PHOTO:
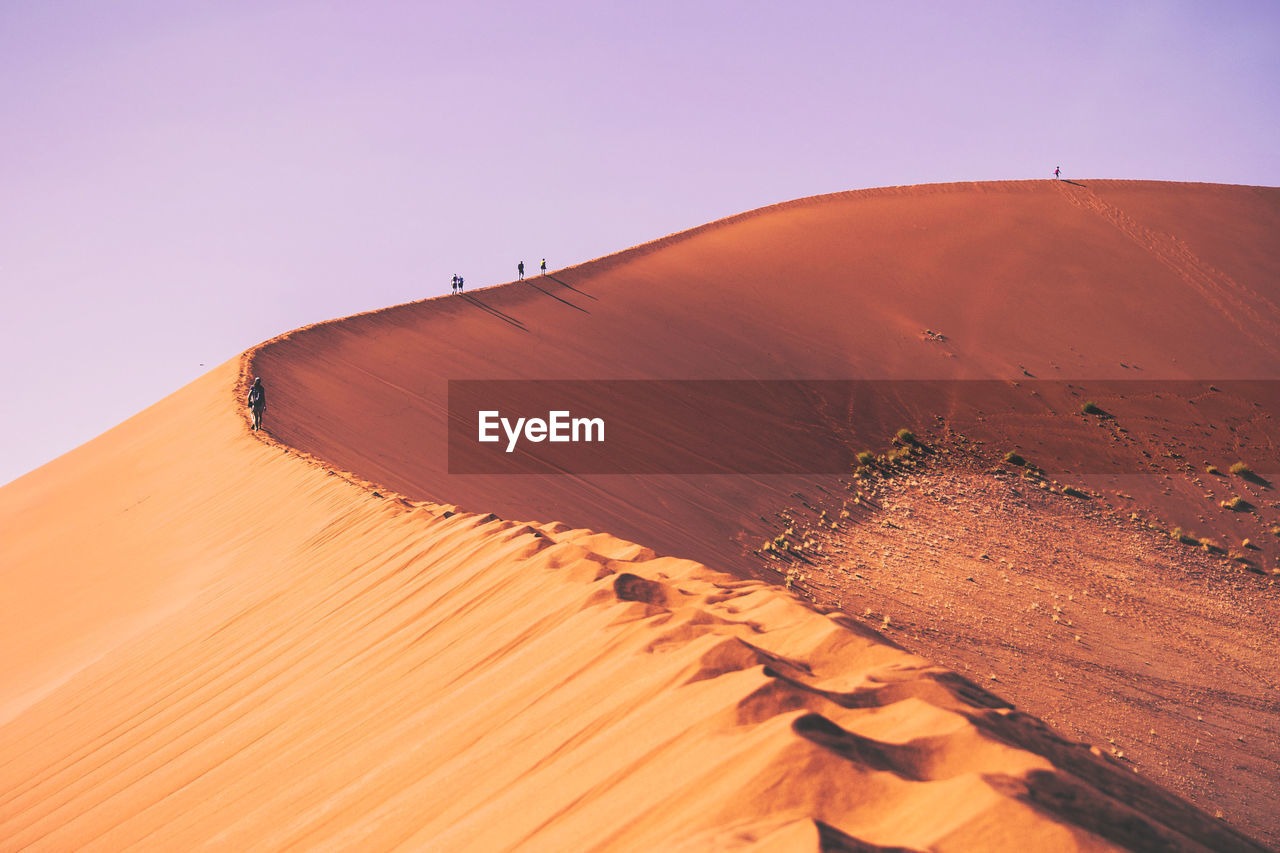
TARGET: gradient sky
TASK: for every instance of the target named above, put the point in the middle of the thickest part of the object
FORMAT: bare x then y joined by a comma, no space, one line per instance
179,181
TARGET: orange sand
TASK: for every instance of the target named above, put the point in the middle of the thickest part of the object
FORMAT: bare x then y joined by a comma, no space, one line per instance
214,641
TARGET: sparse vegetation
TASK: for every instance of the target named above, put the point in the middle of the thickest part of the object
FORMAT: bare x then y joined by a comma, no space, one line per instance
1091,408
1213,470
1236,504
906,437
793,577
1014,459
866,457
1179,535
1212,546
1075,493
1244,472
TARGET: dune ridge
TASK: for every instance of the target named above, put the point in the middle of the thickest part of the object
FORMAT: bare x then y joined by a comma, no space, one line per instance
1029,279
238,641
370,671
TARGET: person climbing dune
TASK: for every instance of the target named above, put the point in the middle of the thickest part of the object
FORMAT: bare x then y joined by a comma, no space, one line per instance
257,402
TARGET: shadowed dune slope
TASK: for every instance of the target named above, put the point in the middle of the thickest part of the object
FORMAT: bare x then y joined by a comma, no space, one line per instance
1118,280
215,643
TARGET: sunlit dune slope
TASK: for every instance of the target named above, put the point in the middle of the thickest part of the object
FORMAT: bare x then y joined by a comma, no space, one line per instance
212,642
1020,281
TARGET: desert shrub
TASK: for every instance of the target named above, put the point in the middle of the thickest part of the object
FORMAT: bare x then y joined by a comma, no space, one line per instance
1212,546
1213,470
1242,470
1091,408
905,436
866,457
1074,492
896,456
1014,459
1236,504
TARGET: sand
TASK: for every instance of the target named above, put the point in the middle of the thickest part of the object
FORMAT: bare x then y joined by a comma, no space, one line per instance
216,639
1035,280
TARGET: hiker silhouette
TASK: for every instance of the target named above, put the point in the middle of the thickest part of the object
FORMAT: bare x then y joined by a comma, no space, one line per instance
520,267
257,402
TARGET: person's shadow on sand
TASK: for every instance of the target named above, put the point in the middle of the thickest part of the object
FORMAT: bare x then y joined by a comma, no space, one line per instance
495,312
570,286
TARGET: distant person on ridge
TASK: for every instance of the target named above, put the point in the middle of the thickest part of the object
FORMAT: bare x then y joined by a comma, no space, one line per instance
257,402
520,267
454,284
1057,173
459,284
544,266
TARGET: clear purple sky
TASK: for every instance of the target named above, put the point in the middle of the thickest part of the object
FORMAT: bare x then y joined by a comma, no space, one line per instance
179,181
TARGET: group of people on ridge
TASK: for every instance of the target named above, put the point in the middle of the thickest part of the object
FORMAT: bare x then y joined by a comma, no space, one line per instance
257,400
520,268
457,279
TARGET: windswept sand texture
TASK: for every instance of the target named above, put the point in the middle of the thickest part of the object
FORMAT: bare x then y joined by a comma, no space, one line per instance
268,656
216,641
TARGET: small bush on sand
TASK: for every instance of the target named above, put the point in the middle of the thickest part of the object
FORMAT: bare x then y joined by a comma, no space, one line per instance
897,456
1242,470
1179,535
1014,459
906,437
1091,408
1212,546
1074,492
866,457
1213,470
1236,504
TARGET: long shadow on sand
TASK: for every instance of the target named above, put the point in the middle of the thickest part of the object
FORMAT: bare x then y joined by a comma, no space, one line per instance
507,318
571,287
557,298
1073,183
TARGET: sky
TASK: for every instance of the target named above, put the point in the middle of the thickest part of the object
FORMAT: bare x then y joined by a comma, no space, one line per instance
180,181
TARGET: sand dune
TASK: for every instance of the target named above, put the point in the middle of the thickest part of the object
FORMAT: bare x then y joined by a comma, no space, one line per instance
216,641
326,666
1023,281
